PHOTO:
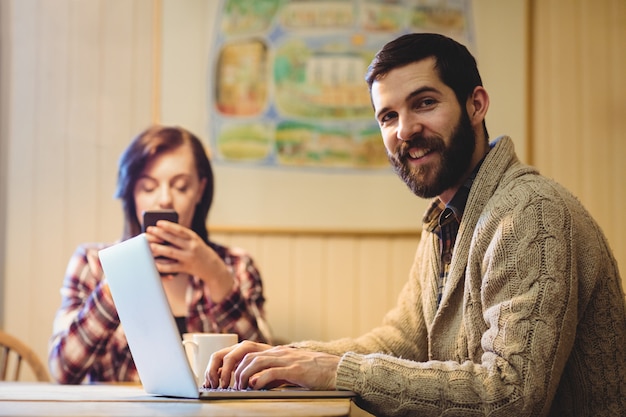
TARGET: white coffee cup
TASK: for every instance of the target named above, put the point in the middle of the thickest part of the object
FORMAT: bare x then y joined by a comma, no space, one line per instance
200,346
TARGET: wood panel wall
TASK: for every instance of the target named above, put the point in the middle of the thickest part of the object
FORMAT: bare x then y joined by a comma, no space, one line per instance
327,285
578,105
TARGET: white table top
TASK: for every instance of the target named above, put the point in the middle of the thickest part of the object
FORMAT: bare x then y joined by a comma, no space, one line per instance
44,399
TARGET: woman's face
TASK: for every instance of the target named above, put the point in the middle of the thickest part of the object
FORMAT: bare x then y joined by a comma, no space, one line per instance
170,181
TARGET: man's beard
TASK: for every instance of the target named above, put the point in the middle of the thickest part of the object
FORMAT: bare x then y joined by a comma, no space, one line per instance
455,160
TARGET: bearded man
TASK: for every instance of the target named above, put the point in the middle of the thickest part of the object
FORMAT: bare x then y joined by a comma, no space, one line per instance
514,305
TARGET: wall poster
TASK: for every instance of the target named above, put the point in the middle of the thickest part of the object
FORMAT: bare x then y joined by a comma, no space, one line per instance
288,85
287,89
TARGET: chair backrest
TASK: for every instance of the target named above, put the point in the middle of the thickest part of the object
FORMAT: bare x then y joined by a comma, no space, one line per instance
12,352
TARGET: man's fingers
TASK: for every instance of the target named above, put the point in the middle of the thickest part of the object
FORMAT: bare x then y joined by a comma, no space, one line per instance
224,362
261,367
213,372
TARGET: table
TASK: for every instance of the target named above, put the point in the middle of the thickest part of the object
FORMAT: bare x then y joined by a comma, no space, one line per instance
47,399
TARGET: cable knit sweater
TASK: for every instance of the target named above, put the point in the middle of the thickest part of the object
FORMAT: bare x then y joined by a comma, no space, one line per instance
532,321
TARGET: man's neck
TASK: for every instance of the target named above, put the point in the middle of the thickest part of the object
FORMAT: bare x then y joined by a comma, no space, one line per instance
477,158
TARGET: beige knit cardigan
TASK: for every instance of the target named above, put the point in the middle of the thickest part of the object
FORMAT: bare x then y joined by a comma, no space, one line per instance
532,320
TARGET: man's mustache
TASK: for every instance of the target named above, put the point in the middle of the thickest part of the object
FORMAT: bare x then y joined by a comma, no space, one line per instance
418,141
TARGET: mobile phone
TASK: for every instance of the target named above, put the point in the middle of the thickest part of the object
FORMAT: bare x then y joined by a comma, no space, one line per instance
150,217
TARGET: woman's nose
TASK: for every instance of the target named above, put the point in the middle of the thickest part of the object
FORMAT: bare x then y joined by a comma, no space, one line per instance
165,197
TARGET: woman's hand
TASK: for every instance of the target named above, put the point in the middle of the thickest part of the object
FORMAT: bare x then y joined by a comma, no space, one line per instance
257,365
187,253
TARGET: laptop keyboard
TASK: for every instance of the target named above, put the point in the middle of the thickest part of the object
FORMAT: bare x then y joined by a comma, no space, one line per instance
208,389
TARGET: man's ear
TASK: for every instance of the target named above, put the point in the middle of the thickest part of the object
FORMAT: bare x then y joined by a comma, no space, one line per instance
477,106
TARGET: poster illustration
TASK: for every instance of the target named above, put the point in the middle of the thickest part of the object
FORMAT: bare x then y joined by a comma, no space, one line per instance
287,82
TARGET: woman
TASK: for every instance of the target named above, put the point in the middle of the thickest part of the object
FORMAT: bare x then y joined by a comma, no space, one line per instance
210,288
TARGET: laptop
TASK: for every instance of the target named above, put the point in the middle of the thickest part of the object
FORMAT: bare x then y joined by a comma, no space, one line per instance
152,334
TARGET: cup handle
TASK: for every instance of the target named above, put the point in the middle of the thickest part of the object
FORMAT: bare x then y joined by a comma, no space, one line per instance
195,353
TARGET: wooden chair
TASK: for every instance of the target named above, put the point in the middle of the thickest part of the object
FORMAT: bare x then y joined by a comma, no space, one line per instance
12,352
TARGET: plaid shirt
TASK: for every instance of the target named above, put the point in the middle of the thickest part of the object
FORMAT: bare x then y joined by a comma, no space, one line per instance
88,342
444,221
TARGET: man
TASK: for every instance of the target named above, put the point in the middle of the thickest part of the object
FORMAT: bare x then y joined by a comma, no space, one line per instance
514,305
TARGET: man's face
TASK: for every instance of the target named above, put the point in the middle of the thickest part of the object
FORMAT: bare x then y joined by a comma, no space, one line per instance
428,135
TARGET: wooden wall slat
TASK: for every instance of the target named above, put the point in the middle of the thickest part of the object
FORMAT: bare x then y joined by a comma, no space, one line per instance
82,96
50,158
595,90
400,259
617,110
340,315
578,105
372,282
278,269
21,181
307,297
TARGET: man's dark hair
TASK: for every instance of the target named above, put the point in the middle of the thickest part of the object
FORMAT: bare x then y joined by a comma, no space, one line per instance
454,64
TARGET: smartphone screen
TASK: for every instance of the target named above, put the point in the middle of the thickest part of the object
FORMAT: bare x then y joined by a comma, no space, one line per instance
150,217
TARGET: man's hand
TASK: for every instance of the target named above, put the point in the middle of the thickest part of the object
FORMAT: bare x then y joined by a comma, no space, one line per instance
257,366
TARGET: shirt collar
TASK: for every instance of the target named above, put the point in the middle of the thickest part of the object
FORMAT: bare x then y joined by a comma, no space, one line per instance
457,204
